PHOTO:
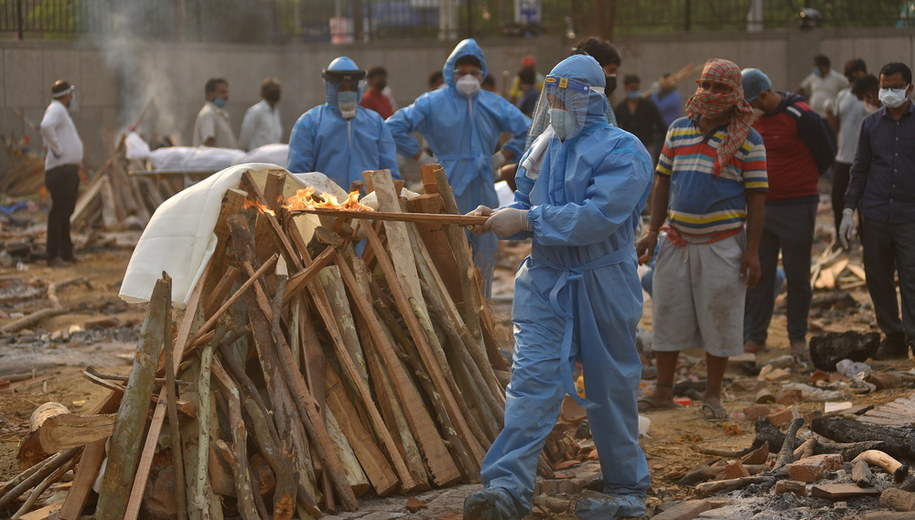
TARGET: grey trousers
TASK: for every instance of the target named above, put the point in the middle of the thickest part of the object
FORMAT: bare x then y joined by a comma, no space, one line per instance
888,249
788,228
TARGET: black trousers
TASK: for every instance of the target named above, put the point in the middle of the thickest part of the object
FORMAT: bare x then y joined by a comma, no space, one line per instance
63,185
890,249
788,228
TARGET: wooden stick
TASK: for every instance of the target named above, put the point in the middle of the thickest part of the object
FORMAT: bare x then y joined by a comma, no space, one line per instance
40,488
171,396
124,452
47,467
428,218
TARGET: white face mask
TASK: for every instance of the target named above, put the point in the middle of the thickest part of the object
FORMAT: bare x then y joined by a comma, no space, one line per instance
893,97
563,123
468,85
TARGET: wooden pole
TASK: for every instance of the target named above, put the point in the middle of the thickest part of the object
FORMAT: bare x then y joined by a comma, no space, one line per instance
124,452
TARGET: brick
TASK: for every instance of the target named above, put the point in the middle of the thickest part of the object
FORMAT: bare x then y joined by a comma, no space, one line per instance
755,411
811,469
735,469
791,486
686,510
781,416
789,396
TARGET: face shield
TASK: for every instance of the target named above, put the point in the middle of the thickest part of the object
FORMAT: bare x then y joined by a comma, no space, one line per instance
563,106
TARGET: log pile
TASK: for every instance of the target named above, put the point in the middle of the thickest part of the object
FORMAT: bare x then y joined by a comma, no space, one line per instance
300,376
113,200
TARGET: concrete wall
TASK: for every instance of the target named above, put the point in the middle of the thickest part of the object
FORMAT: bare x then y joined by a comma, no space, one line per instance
115,79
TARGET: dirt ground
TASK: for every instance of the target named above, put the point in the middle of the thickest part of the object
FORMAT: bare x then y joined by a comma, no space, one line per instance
58,349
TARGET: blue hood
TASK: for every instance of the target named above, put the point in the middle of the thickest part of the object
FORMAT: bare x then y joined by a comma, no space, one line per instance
585,68
466,47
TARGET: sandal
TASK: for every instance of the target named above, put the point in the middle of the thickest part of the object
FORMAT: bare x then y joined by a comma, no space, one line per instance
713,413
649,404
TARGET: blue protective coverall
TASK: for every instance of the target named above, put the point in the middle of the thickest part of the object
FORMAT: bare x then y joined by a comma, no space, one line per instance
577,297
463,134
322,141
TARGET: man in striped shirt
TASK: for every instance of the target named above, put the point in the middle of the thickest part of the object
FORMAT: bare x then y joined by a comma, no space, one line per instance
710,182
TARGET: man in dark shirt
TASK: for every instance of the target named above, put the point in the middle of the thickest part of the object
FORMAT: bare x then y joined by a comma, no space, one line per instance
798,151
639,116
882,189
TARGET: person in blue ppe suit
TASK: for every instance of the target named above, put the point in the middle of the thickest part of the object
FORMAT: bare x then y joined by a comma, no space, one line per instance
462,124
339,138
577,298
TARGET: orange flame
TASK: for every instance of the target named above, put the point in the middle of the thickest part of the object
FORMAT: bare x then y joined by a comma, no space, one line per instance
259,207
305,199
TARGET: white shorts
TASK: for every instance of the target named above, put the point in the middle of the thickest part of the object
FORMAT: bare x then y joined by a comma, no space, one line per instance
698,297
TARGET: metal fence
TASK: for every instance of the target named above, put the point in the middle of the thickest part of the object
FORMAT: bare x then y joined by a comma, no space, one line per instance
274,21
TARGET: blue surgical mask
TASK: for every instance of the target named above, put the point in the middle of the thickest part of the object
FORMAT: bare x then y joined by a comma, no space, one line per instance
220,102
346,102
634,94
563,122
816,71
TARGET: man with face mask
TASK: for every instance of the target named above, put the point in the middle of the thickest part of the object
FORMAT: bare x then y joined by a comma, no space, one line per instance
609,60
262,124
709,183
799,150
212,127
339,138
882,190
461,124
374,97
638,114
577,297
65,153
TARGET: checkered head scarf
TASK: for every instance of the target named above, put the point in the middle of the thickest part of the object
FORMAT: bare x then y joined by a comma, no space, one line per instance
711,104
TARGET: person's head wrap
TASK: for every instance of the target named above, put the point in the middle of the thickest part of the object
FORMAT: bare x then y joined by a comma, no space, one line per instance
712,104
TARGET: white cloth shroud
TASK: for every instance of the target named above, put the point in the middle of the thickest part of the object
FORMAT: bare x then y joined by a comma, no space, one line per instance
179,238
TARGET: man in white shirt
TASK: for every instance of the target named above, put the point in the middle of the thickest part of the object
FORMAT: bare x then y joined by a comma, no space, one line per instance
212,127
821,85
262,124
65,153
845,115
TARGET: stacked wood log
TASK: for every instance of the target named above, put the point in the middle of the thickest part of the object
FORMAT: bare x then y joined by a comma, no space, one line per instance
301,375
113,199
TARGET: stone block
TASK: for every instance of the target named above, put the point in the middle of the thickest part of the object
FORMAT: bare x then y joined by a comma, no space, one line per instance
756,411
686,510
781,416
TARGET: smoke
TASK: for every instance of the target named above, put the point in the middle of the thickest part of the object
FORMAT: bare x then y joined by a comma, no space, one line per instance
147,94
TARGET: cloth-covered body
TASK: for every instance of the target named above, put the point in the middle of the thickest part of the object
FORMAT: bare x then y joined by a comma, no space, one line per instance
214,122
322,140
60,136
463,133
577,297
261,126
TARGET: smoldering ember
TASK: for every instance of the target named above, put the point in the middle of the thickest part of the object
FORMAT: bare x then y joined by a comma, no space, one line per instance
250,268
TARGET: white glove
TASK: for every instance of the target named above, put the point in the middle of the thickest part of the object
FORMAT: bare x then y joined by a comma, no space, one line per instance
848,227
507,222
497,159
425,159
481,211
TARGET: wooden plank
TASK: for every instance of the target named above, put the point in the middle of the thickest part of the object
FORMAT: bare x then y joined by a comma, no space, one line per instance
336,295
86,472
395,216
377,469
42,514
425,349
433,235
840,491
71,430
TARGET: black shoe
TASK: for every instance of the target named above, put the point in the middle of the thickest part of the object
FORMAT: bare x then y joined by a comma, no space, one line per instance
892,347
490,504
